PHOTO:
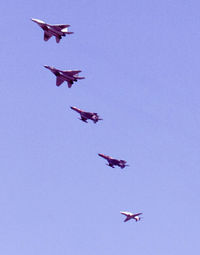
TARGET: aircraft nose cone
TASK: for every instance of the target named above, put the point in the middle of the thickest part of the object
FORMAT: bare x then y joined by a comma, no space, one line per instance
34,20
46,66
38,21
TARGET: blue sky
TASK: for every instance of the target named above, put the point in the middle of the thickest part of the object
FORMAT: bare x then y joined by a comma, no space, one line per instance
141,63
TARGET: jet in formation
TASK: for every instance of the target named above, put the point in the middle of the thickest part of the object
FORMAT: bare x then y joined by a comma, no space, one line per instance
53,30
70,76
130,216
113,162
87,115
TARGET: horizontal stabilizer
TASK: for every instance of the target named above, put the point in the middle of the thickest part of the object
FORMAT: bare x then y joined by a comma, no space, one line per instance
58,39
69,84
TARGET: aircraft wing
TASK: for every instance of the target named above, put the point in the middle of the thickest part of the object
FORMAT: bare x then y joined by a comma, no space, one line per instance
75,72
47,36
59,26
126,213
137,214
59,81
127,218
71,73
83,119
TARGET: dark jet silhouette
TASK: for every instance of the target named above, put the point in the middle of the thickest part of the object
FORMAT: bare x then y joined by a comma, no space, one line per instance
53,30
113,162
70,76
130,216
87,115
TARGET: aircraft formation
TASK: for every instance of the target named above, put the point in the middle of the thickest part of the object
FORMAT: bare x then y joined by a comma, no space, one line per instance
71,76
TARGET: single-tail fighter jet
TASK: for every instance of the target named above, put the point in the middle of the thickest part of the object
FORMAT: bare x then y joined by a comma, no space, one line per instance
69,76
87,115
130,216
53,30
113,162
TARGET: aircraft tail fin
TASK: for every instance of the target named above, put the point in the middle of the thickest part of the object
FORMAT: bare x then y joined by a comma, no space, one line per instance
137,218
65,31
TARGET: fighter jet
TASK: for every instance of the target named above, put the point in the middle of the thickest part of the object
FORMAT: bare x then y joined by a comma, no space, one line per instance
87,115
113,162
69,76
130,216
53,30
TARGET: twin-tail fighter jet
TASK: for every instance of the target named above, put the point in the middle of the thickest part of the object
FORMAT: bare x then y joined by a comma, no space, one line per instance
113,162
69,76
130,216
53,30
87,115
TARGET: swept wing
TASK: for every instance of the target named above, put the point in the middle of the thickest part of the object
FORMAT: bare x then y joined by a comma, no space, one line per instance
59,81
70,72
47,36
59,26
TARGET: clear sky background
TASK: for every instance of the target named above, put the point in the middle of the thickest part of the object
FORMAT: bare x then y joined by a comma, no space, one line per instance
141,61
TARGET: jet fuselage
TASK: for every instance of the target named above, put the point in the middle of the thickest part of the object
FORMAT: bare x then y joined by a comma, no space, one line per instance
86,115
66,77
69,75
130,216
58,30
53,31
113,162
